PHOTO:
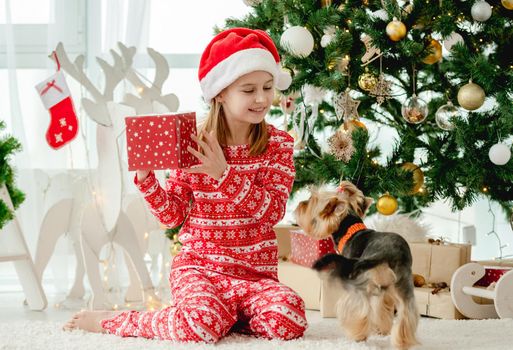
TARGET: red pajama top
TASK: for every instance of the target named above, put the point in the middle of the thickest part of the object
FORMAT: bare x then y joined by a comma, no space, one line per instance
229,222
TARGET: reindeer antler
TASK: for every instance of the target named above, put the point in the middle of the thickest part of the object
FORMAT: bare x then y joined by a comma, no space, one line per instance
96,110
148,94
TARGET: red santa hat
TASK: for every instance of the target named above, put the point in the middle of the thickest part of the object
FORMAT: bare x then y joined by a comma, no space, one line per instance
234,53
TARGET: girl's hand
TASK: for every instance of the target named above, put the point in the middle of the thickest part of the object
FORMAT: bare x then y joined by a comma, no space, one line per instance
213,162
142,175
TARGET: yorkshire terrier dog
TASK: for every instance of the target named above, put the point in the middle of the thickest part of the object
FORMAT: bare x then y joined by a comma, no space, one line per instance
373,268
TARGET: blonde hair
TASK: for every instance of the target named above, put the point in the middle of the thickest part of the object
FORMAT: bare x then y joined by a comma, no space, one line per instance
216,120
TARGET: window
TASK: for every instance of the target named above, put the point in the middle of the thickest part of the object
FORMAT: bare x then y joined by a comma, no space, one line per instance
31,29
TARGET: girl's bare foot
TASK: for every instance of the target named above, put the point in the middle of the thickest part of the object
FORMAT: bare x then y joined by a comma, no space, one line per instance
89,321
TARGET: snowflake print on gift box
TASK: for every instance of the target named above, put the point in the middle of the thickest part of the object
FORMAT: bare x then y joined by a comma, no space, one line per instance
158,142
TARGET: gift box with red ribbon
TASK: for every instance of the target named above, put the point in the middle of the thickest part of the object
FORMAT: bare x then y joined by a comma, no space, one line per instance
306,250
160,141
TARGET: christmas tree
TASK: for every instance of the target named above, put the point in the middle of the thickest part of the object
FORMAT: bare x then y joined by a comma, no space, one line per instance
8,146
383,61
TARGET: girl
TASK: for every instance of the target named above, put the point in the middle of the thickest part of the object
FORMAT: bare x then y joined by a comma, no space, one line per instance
225,277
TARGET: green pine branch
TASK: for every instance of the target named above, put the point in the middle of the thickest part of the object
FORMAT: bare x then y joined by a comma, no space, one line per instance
8,146
455,163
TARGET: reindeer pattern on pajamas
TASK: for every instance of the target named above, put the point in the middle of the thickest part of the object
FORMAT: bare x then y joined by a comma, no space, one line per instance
225,276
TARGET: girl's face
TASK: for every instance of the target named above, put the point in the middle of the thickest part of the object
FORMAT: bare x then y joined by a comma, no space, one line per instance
248,99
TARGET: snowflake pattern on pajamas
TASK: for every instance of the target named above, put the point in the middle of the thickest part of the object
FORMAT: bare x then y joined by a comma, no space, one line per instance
209,305
225,276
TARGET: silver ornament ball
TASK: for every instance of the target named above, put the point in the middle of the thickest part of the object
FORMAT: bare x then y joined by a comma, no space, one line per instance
445,116
414,110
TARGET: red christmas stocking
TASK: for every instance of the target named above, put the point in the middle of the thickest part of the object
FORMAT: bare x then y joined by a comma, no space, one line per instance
54,93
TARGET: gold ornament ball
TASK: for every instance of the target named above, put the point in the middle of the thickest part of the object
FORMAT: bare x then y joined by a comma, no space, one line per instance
396,30
352,124
507,4
418,175
471,96
435,54
277,98
367,81
175,249
387,204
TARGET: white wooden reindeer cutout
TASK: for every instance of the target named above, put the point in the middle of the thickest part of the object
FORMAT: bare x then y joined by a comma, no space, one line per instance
102,219
150,101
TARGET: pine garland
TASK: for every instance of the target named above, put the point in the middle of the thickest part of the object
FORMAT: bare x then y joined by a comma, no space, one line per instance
8,146
455,163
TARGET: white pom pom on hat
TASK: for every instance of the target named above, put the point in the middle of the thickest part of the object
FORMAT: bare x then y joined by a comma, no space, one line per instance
234,53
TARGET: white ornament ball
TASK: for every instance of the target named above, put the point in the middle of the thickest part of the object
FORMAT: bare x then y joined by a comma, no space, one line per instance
481,11
499,154
298,41
453,39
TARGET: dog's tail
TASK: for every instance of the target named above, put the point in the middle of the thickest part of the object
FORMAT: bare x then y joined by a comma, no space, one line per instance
349,269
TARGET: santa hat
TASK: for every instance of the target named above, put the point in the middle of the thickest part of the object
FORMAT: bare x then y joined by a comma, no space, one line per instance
234,53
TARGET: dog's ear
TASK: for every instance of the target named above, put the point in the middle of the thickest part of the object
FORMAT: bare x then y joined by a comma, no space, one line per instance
334,206
341,208
329,208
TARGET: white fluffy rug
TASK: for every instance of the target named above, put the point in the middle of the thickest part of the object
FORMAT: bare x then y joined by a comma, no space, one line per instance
323,334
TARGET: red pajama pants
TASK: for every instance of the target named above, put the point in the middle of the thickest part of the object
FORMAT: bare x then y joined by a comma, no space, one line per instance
208,305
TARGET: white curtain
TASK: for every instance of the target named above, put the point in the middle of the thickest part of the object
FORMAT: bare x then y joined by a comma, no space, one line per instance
28,120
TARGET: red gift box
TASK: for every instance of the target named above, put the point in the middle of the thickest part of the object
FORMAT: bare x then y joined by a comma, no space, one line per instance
492,274
305,250
160,141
